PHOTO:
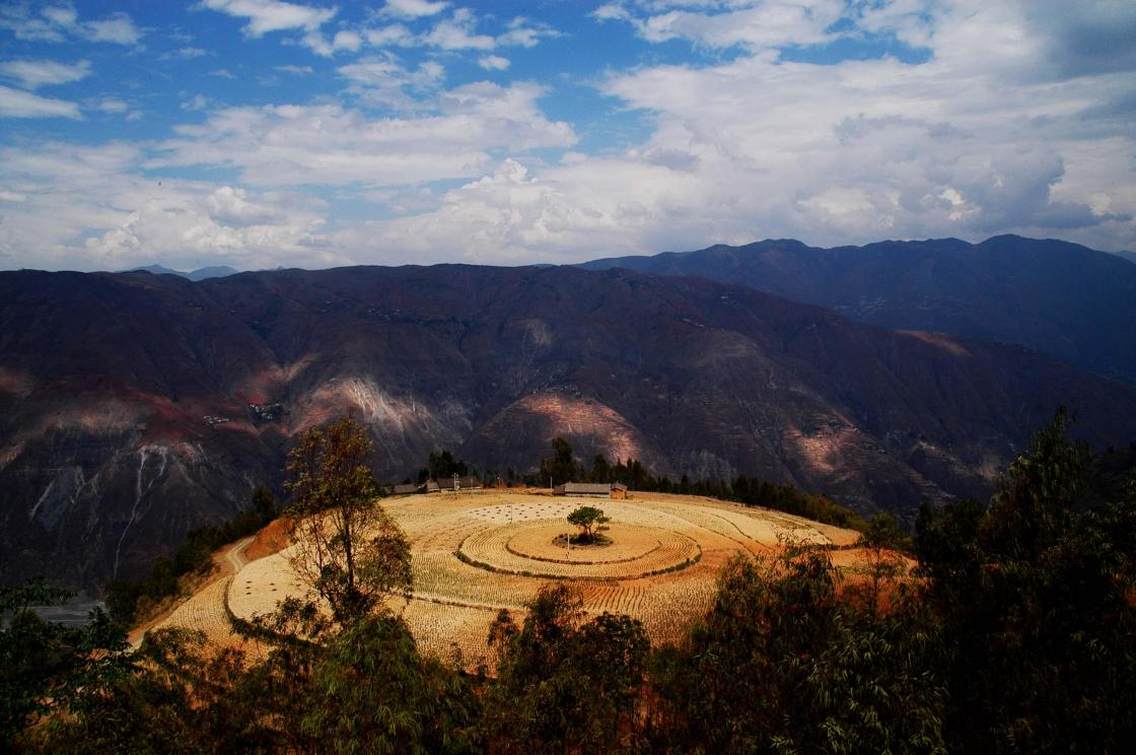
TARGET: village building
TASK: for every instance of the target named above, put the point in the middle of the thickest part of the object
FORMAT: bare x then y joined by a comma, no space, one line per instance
405,489
447,484
589,489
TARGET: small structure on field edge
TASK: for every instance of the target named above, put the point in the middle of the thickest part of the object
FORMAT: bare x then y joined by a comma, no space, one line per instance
454,484
405,488
592,489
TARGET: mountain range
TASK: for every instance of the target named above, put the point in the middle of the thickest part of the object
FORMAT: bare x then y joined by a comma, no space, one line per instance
1063,299
135,407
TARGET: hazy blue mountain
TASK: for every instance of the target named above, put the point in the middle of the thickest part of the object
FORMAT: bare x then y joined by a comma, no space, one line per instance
216,271
1059,298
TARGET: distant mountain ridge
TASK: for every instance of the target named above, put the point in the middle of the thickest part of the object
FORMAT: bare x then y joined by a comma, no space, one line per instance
125,416
1062,299
203,273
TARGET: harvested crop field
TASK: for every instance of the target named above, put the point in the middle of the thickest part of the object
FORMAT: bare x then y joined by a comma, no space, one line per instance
476,553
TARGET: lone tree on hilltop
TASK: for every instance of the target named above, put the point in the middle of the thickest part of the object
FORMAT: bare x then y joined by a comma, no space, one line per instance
349,550
587,518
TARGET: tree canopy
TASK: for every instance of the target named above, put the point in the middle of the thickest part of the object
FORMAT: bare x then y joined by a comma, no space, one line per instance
349,550
588,518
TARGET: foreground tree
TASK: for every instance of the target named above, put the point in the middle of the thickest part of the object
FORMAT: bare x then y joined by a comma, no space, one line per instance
564,685
1035,596
783,664
349,550
48,669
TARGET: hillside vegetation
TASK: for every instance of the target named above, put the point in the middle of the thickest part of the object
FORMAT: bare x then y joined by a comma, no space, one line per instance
1017,636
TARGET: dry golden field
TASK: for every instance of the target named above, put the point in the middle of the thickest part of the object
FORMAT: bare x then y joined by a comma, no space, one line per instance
478,552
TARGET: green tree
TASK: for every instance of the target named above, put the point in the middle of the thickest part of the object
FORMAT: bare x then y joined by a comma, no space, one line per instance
587,518
883,540
1035,599
45,667
601,470
783,664
564,685
350,552
442,464
561,467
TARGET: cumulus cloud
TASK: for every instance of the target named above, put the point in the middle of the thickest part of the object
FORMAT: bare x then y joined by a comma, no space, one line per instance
36,73
265,16
413,8
15,103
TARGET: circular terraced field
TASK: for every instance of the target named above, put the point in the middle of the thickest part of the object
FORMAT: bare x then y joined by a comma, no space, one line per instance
530,550
476,553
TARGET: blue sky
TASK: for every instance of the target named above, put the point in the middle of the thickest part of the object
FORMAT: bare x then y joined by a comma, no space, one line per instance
258,133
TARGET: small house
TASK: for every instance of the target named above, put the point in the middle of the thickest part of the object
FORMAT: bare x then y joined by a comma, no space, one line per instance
589,489
458,484
618,490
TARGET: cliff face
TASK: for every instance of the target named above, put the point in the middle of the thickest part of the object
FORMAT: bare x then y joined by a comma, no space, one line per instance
125,415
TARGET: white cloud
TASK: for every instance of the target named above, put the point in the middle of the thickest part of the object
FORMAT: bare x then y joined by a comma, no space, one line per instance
757,24
382,81
413,8
991,135
524,32
18,104
185,53
296,70
393,35
331,145
57,22
117,28
196,102
1018,121
458,33
36,73
110,105
87,208
343,41
266,16
493,63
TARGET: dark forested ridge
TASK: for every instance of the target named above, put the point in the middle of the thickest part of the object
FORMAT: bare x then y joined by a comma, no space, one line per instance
135,408
1058,298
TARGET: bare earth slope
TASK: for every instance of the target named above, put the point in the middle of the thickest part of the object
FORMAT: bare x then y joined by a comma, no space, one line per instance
106,381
